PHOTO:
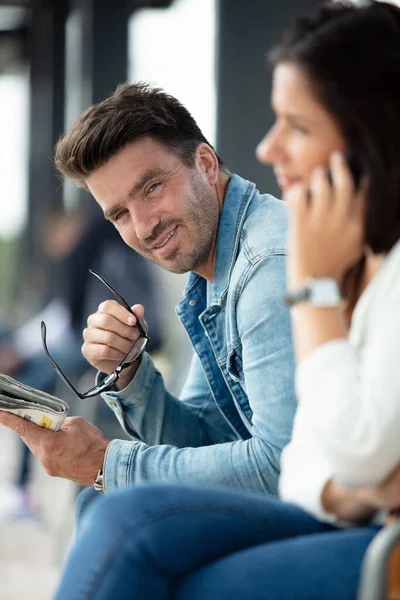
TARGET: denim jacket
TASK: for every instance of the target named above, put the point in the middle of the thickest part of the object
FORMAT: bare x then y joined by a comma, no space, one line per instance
236,409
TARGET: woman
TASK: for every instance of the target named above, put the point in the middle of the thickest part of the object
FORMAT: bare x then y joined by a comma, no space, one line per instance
336,74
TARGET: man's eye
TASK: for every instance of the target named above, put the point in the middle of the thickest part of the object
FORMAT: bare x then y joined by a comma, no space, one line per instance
153,187
119,215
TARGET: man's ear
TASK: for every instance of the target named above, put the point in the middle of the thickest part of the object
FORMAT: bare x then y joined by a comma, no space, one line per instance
207,162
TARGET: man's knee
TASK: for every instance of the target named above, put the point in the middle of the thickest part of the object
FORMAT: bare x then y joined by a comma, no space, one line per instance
135,503
84,501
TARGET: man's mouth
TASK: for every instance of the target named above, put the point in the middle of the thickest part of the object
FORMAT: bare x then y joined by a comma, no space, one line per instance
163,240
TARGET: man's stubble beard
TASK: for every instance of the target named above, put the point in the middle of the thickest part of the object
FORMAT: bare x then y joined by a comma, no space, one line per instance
201,223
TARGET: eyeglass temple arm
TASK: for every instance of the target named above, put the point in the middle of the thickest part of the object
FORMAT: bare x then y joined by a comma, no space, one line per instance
121,300
55,365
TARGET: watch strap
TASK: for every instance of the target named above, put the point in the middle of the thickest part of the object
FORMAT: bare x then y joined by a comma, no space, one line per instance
98,483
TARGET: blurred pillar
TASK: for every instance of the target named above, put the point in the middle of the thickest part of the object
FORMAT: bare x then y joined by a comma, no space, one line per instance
97,58
98,46
46,56
246,30
96,62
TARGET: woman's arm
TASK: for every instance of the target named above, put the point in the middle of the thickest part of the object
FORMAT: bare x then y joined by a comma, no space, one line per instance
313,326
360,505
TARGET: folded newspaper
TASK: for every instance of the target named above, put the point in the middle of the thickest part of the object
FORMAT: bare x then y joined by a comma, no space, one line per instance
34,405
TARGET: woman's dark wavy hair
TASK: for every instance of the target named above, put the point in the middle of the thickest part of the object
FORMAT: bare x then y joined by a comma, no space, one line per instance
351,56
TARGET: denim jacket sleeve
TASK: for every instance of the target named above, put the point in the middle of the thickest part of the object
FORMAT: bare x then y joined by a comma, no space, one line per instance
187,452
148,412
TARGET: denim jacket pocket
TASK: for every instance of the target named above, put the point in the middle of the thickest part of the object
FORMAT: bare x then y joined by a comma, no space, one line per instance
234,366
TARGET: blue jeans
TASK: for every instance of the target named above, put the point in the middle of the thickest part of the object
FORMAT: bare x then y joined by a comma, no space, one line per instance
156,542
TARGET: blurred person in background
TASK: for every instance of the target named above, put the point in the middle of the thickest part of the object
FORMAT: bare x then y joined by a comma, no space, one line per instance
335,90
74,243
171,198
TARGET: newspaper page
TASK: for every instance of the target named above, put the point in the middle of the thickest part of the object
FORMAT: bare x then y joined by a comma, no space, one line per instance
34,405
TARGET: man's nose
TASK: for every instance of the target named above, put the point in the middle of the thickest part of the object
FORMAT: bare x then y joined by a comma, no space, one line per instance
144,223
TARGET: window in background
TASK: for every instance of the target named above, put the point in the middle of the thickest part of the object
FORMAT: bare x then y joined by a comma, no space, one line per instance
174,49
13,153
14,118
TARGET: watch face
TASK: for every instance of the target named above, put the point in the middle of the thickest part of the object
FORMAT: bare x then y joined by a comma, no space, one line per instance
324,292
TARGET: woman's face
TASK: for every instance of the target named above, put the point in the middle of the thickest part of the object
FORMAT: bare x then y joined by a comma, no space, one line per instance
304,134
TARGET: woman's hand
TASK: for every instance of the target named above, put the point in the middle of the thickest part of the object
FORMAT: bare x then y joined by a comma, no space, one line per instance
326,233
387,494
360,505
354,506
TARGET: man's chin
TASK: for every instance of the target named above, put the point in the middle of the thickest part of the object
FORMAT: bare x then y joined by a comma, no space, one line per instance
177,264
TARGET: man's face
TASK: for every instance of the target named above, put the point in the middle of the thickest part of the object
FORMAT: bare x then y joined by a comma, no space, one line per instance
163,209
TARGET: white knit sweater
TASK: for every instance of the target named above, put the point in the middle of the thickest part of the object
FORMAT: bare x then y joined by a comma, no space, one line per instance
347,425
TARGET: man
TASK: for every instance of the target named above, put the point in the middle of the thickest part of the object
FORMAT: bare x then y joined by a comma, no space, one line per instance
155,176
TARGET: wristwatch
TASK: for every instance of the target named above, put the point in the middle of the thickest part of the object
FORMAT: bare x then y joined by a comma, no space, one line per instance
322,291
98,483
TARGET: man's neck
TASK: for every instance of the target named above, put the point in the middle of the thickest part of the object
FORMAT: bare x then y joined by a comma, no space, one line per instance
207,269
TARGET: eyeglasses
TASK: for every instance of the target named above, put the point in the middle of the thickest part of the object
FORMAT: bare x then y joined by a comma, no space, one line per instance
130,357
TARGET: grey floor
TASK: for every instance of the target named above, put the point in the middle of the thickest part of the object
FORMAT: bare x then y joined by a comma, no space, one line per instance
32,550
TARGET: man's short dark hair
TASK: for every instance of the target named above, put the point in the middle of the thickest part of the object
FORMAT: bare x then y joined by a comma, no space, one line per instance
132,112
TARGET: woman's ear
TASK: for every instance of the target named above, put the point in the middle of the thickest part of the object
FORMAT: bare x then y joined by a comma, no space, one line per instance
207,162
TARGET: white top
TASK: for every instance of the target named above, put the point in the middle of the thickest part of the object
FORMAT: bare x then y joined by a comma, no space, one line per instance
347,424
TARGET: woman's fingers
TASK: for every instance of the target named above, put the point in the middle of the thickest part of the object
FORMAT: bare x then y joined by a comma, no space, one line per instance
320,194
344,192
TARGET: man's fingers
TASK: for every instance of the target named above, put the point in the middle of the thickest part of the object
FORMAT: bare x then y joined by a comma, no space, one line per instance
111,307
138,309
97,353
26,430
108,323
110,341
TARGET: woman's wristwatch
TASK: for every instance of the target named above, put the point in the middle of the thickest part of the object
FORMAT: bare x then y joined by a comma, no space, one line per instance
321,291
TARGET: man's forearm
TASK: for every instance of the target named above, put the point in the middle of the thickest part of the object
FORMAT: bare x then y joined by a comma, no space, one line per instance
147,411
251,465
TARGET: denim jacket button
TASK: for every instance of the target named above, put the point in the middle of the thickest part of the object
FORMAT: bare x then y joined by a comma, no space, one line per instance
192,302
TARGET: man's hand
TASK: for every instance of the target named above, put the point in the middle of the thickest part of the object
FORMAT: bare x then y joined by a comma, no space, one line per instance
110,334
75,452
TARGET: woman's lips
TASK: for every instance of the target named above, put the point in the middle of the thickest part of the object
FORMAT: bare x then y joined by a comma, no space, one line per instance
285,182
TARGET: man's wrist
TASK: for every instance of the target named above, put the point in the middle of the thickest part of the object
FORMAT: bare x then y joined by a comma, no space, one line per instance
127,375
98,482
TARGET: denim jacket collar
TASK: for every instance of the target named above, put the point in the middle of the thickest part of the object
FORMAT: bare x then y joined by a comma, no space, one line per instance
236,201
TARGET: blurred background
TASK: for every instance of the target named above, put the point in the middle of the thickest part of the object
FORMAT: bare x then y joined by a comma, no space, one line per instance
56,58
